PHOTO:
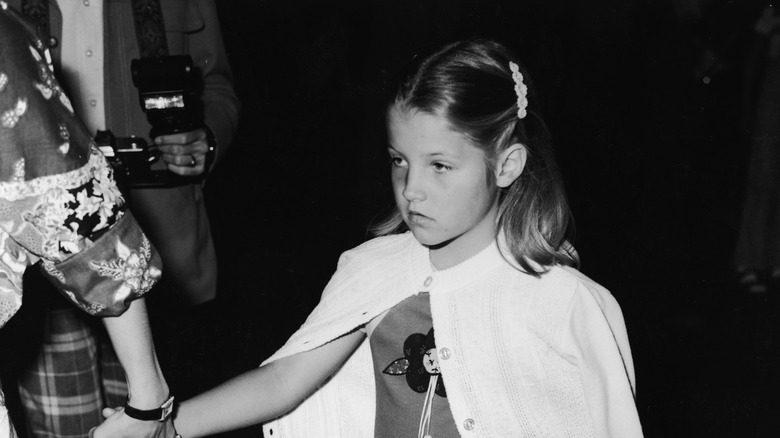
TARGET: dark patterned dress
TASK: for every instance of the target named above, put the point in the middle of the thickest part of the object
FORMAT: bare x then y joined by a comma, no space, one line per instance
59,203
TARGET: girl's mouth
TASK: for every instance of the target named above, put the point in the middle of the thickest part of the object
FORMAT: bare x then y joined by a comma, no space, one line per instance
418,219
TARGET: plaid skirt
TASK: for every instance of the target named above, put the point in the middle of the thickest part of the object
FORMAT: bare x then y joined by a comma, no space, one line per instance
73,377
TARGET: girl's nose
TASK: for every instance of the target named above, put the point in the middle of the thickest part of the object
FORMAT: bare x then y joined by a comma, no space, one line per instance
413,189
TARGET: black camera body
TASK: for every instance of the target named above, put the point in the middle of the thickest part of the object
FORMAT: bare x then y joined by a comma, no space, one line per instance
134,164
168,91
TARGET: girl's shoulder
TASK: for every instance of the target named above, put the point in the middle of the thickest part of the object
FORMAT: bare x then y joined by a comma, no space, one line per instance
380,249
563,302
565,285
573,278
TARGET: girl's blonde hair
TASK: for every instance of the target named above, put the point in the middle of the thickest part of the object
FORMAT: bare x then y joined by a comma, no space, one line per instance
470,84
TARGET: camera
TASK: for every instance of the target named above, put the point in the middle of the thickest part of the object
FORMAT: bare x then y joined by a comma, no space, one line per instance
134,164
168,91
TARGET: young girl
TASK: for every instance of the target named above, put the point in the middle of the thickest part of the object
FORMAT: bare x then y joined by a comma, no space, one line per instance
467,317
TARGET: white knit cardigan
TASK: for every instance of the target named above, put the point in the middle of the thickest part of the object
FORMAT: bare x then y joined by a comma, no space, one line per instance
521,356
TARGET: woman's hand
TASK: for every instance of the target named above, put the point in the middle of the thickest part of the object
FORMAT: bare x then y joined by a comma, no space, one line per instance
119,425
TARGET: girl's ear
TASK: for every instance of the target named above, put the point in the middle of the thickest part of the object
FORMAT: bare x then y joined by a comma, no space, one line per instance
511,162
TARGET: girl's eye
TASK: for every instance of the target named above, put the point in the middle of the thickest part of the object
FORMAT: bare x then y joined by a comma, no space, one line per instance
397,161
441,167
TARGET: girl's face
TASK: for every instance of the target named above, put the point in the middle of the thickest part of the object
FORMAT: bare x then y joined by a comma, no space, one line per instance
441,187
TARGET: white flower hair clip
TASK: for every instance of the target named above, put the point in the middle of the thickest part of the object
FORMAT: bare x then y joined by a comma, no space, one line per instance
520,89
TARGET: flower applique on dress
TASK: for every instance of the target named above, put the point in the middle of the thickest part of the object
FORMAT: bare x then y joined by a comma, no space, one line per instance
48,85
420,365
65,136
131,267
10,117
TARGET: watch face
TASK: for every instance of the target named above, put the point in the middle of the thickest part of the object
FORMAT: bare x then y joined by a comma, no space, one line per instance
167,408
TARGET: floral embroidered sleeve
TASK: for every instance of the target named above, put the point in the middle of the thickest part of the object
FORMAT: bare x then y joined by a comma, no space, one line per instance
58,201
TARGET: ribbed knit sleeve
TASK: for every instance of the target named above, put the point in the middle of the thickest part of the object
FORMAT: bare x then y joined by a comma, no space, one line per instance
597,339
369,280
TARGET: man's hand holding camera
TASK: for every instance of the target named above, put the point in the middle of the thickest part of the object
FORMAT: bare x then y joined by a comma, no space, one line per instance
185,153
169,93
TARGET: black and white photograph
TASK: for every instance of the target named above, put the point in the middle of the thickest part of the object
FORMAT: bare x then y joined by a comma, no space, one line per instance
434,219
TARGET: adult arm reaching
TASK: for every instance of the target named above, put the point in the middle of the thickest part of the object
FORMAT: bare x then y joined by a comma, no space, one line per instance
60,206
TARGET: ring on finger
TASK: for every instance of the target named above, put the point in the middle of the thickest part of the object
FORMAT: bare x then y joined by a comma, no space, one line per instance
192,161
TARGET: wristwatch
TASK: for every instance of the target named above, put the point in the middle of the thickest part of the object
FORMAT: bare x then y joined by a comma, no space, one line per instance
160,414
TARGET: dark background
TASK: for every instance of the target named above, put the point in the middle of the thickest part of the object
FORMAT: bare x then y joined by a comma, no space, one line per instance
653,157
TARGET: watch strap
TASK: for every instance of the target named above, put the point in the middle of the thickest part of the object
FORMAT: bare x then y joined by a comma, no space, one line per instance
158,414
